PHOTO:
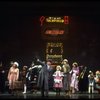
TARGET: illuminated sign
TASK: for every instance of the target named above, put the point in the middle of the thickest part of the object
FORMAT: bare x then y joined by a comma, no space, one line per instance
64,20
54,27
54,48
54,32
55,19
54,51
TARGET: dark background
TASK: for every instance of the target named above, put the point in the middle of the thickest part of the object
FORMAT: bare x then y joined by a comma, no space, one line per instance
20,34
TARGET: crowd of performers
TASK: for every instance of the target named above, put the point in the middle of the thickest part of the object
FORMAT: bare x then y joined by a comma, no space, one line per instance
63,77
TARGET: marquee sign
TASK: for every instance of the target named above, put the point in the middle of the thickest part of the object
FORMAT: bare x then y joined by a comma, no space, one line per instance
54,51
64,19
54,27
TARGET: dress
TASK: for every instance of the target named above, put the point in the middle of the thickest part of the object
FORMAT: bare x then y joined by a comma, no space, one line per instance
13,76
74,78
58,77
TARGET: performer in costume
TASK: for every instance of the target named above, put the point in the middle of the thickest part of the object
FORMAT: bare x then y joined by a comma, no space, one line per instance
43,78
23,76
74,77
13,76
91,82
58,80
67,76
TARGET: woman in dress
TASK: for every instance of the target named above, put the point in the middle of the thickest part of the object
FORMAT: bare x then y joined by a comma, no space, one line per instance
74,77
13,76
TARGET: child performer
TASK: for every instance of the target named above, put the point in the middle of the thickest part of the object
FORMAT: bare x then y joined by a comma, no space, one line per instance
97,81
58,77
91,82
24,72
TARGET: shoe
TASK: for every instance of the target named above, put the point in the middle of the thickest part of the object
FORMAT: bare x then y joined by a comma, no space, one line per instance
23,92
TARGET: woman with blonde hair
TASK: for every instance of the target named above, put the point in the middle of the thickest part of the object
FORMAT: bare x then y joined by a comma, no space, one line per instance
13,76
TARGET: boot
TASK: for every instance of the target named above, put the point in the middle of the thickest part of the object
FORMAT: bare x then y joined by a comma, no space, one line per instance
89,89
24,89
92,89
73,90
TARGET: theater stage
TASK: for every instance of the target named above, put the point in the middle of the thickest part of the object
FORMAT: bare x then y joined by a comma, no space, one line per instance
52,95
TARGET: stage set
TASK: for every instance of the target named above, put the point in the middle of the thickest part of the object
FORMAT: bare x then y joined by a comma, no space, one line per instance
55,31
27,38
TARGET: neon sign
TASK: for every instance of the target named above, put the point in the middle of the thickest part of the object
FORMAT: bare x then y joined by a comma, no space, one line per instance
54,32
55,19
42,18
64,19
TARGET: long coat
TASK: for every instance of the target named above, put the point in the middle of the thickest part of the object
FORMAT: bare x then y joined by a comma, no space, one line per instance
44,75
67,77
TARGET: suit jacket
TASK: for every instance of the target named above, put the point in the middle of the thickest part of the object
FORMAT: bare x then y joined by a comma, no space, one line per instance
44,74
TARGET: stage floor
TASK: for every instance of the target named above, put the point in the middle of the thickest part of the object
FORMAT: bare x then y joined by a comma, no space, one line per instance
52,95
